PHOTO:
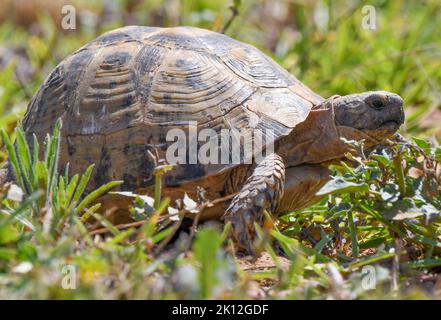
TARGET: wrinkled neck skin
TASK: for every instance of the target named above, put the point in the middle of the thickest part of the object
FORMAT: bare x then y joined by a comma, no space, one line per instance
317,139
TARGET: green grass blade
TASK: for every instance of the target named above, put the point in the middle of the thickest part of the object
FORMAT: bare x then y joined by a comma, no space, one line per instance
62,191
354,238
71,188
53,155
27,203
89,212
35,159
13,157
107,224
25,161
83,231
95,195
82,185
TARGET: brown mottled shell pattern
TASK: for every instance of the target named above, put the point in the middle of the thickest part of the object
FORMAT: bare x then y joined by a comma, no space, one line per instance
120,94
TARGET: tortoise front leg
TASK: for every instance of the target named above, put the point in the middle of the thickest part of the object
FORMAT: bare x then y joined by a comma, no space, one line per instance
262,191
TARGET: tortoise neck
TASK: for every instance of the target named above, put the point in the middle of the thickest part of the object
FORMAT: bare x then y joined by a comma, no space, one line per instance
315,140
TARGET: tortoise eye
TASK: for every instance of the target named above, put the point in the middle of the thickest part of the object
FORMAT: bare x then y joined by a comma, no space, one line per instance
377,104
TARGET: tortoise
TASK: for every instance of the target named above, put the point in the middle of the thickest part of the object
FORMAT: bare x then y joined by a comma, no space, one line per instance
121,95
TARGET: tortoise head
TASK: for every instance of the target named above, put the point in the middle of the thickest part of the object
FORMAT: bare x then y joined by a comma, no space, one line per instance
375,115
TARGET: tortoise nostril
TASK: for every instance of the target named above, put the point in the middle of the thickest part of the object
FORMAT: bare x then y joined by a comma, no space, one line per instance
395,99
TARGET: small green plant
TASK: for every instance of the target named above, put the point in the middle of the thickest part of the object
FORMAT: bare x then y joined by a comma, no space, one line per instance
42,227
61,197
396,189
384,208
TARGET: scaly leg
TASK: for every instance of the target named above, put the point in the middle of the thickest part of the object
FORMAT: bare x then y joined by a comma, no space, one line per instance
262,191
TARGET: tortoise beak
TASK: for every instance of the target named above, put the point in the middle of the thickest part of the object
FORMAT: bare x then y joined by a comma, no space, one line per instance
393,113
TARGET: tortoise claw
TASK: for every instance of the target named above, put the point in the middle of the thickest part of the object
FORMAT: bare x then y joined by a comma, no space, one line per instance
242,230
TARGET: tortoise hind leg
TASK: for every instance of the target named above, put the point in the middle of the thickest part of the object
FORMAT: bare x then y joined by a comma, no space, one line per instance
262,191
301,185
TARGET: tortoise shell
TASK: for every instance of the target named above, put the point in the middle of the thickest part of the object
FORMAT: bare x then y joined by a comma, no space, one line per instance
120,94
